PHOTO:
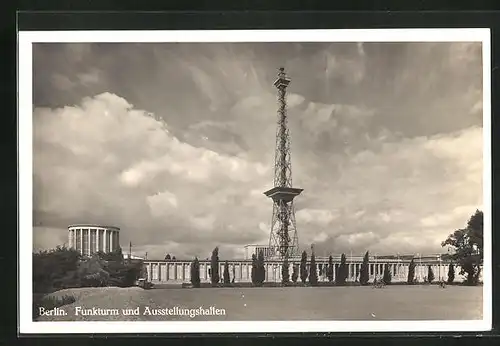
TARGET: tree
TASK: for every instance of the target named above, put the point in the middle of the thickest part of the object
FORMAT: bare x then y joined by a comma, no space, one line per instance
254,270
329,271
285,275
303,267
364,275
430,275
167,257
195,273
115,256
313,272
468,244
173,258
227,279
122,273
295,273
215,278
92,272
387,278
64,268
342,274
55,269
411,272
451,273
261,270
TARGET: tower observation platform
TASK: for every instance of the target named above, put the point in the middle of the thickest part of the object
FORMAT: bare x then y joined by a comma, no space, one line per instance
283,239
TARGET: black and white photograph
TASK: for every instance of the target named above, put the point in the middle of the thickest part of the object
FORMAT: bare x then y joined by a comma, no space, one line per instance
255,181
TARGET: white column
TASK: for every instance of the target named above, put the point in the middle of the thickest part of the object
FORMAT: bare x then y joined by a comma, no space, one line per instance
81,241
88,241
111,241
97,239
104,241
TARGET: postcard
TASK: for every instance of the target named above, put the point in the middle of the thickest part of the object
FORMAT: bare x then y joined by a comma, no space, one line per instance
254,181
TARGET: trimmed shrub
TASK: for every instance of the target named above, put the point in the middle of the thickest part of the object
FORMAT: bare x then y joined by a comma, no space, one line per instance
330,269
313,272
227,279
295,273
451,273
195,273
364,275
387,278
430,275
285,275
341,277
261,270
254,270
214,265
411,273
303,267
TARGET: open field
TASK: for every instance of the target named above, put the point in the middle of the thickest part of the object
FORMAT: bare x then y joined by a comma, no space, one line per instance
292,303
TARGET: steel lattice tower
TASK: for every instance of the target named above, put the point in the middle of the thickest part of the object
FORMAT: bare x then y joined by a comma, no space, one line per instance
283,241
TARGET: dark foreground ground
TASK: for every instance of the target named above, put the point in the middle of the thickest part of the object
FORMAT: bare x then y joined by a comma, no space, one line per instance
293,303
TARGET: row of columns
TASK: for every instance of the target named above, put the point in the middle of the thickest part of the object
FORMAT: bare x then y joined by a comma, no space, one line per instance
241,271
108,235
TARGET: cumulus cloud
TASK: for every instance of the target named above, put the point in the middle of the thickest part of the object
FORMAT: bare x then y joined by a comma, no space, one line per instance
179,150
123,167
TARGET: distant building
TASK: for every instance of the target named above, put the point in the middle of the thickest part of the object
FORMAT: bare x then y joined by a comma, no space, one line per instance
132,257
255,249
89,239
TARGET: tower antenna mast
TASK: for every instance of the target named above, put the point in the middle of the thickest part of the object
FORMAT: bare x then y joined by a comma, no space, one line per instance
283,240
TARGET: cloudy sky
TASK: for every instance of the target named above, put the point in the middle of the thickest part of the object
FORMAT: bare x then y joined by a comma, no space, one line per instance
174,143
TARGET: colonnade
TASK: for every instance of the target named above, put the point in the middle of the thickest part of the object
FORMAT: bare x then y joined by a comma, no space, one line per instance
168,271
87,239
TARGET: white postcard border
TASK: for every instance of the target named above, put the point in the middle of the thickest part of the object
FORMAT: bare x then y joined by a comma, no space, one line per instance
25,190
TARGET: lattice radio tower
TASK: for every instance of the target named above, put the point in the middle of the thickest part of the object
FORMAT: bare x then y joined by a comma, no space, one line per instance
283,241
